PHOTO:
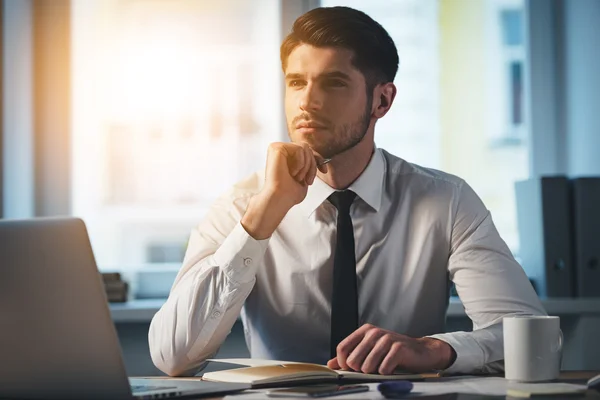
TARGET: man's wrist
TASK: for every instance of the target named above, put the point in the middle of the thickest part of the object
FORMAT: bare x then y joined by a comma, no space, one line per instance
452,356
264,214
445,352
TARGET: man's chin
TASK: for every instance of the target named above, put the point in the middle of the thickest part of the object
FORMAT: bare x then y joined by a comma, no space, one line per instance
323,153
316,148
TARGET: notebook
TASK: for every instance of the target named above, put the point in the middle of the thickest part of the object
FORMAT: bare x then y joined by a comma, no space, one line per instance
544,389
268,373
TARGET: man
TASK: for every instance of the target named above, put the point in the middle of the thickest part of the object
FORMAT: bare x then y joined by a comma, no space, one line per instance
346,262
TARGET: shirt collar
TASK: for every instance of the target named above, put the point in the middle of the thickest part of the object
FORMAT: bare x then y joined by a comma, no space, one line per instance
368,186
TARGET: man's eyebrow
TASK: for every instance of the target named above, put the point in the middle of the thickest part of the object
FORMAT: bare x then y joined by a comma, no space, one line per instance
336,74
333,74
293,76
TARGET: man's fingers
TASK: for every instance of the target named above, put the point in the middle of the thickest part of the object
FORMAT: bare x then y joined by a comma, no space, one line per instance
391,360
345,347
308,159
333,363
312,173
299,160
312,170
357,357
323,168
377,354
295,160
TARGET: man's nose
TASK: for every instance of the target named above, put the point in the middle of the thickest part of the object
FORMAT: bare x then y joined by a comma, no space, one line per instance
311,99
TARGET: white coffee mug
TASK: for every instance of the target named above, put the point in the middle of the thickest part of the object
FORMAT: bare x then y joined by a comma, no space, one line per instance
532,348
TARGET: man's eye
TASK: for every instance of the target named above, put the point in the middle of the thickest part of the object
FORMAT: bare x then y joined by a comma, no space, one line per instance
335,83
295,83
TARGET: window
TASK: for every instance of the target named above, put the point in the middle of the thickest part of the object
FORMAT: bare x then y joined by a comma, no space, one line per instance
506,56
459,106
173,102
167,93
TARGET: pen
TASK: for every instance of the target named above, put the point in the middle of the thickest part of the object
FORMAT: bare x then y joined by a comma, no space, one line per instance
323,162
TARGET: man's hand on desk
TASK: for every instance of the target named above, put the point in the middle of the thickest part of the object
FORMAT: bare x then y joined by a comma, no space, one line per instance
374,350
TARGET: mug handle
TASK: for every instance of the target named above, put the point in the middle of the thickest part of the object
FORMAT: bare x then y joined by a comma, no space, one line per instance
560,349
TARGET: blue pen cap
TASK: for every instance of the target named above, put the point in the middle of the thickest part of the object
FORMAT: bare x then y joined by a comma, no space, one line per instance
394,388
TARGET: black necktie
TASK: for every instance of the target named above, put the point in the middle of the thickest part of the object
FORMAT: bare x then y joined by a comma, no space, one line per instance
344,297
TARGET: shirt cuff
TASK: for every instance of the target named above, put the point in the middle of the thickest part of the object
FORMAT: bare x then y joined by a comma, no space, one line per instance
469,355
240,255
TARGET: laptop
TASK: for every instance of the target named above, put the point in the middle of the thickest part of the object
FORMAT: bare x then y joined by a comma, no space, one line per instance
57,338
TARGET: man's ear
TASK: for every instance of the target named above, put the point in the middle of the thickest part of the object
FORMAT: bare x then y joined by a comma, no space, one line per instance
386,94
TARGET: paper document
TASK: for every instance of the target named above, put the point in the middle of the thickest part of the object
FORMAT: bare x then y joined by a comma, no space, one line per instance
491,386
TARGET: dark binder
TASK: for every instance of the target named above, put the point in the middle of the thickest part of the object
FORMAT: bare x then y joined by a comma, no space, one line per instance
586,216
545,234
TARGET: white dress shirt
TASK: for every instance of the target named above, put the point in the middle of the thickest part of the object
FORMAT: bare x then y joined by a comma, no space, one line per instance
415,229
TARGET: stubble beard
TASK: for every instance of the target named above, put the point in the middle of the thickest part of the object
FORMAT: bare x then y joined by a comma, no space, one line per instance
343,138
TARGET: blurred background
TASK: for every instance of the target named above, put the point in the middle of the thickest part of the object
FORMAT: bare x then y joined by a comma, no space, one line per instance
136,114
165,104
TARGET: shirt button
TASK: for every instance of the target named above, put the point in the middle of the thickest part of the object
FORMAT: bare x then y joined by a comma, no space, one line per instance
247,261
216,314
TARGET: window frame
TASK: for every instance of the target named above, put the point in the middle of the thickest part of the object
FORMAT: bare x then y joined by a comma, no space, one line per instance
35,122
545,92
2,109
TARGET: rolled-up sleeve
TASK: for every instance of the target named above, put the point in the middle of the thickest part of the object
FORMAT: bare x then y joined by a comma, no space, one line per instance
490,284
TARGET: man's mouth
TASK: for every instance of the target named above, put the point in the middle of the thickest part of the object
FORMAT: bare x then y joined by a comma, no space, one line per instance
309,125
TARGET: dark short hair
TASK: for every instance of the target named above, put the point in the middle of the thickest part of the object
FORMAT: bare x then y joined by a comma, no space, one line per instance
375,54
